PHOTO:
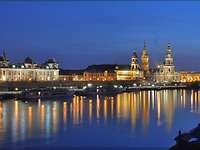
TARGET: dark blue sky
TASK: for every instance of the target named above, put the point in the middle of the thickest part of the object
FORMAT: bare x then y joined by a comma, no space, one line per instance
81,33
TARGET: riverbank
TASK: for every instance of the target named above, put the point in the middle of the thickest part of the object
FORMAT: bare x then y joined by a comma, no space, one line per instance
134,84
14,89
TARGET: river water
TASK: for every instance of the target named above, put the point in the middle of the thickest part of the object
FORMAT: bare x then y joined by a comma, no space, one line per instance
135,119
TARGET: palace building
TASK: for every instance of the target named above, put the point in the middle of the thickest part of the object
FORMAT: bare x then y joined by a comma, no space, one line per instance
71,75
104,72
28,70
166,72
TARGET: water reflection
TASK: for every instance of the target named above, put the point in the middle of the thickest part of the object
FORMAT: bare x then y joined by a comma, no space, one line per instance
20,121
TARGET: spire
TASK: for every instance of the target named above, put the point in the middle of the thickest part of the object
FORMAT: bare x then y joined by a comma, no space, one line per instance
169,55
168,45
135,55
144,51
169,49
4,54
145,44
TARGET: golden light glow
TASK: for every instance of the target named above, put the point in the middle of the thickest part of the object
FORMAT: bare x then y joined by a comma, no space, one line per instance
90,110
98,108
81,108
158,107
30,121
145,109
133,110
118,106
54,116
112,107
75,110
64,112
105,111
42,116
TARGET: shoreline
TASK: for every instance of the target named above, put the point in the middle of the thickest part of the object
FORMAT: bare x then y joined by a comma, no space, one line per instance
129,85
15,89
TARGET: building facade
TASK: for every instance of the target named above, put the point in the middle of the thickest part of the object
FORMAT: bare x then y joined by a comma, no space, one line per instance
103,72
99,76
28,70
71,75
166,72
189,76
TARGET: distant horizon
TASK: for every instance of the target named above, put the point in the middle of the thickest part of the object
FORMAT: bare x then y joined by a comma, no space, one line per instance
78,34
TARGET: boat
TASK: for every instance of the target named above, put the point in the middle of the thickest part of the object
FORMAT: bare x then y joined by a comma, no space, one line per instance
107,90
45,94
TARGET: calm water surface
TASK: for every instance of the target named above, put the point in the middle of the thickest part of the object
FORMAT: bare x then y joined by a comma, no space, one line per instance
137,119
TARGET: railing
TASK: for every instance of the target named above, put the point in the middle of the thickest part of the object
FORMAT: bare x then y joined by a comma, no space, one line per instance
10,92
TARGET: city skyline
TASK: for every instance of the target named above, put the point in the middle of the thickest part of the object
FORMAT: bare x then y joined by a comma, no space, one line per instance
139,54
79,34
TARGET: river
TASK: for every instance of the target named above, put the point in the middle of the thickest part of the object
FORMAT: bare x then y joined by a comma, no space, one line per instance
134,119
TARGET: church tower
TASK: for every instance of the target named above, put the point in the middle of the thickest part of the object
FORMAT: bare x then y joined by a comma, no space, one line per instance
145,58
169,57
134,62
167,72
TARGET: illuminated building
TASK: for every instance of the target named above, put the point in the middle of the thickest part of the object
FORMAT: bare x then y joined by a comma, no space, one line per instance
28,70
91,73
100,73
166,72
189,76
71,75
99,76
145,59
133,73
105,72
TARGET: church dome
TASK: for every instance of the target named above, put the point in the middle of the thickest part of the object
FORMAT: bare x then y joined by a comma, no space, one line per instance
51,60
28,60
135,54
1,58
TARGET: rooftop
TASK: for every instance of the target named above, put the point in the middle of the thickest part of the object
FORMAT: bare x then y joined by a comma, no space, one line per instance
106,67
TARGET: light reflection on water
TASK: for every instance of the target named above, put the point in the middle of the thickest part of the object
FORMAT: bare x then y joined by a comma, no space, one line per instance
138,116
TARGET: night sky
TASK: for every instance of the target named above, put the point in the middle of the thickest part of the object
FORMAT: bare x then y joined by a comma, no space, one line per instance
81,33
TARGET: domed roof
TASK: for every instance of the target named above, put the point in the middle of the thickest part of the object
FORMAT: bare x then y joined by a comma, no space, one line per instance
51,60
135,54
28,60
2,58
